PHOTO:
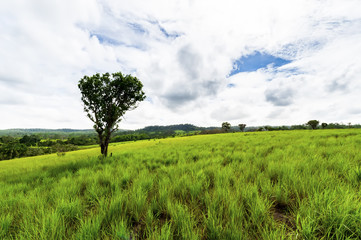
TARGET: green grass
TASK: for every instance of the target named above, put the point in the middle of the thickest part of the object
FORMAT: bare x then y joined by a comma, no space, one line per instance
264,185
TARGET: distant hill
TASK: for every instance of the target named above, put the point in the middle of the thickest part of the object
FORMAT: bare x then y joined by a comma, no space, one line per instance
18,132
182,127
152,130
34,130
25,131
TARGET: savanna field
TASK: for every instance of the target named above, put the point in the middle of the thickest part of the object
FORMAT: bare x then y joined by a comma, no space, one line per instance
263,185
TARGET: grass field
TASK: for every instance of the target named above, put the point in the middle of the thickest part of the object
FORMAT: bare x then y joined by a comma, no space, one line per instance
264,185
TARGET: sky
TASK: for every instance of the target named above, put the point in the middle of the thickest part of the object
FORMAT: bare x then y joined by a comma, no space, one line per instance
203,62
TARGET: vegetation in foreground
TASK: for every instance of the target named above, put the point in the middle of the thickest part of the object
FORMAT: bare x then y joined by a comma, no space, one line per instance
261,185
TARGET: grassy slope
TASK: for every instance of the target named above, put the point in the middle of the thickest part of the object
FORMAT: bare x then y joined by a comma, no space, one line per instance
266,185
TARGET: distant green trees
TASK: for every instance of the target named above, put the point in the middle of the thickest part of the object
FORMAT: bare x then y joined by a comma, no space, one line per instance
83,140
298,127
31,140
10,147
12,150
131,137
226,126
184,127
106,98
242,126
313,123
32,145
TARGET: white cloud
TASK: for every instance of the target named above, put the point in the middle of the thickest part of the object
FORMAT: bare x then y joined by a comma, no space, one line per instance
182,51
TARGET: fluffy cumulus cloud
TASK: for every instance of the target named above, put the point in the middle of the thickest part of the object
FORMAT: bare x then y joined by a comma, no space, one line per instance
202,62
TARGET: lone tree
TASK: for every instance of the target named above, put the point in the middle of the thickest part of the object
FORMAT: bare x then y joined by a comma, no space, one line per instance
226,126
313,123
324,125
106,98
242,127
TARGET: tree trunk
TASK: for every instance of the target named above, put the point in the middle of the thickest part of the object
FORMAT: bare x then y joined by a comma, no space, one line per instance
104,138
103,149
104,146
106,150
106,143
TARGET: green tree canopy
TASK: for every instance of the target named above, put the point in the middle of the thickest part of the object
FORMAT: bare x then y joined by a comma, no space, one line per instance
106,98
324,125
242,126
313,123
226,126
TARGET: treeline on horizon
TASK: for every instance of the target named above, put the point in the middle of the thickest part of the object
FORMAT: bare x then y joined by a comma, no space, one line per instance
15,143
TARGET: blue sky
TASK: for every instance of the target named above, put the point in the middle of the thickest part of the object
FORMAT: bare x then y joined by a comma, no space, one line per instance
201,62
255,61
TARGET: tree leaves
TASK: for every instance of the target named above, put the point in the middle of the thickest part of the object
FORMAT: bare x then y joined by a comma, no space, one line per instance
106,98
